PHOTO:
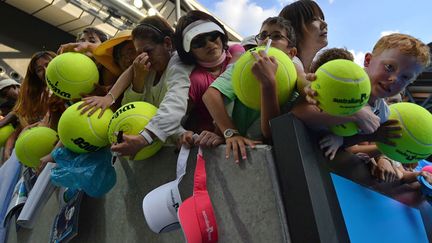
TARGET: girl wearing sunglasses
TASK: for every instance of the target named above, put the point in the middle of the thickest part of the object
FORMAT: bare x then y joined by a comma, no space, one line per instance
203,41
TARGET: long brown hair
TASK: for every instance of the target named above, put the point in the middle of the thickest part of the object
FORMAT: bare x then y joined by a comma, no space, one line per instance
32,103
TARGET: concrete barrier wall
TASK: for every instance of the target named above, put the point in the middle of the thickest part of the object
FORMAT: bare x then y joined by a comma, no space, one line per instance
245,198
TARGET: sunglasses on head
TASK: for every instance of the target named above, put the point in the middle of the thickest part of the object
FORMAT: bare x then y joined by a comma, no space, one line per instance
201,40
275,36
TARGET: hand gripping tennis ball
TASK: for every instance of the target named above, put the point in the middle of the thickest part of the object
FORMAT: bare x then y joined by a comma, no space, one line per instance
83,133
247,87
343,87
5,132
35,143
131,119
71,74
416,141
345,130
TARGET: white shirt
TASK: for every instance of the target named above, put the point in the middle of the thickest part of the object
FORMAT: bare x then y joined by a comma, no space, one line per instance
170,95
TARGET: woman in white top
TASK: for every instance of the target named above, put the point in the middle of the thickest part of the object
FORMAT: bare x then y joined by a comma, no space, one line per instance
157,76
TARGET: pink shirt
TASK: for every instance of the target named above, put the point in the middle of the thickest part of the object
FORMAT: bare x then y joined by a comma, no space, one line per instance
199,117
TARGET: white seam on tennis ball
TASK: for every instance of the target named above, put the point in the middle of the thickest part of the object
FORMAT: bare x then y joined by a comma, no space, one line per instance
343,79
408,131
92,130
119,122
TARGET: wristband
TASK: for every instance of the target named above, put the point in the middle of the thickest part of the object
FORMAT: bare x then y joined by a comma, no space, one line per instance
146,136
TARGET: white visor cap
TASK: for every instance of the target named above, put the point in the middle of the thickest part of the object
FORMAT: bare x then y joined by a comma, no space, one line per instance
197,28
160,207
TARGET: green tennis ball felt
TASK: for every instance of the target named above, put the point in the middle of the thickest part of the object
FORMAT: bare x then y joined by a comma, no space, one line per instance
131,118
416,141
345,130
83,133
35,143
343,87
5,132
247,87
71,74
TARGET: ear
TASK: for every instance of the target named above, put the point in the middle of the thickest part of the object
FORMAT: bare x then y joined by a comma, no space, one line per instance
292,52
367,59
168,43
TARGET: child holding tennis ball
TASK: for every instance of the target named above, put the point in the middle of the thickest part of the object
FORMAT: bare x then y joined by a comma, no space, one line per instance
395,62
247,123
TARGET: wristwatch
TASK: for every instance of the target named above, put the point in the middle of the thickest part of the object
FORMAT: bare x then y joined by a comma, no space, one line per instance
228,133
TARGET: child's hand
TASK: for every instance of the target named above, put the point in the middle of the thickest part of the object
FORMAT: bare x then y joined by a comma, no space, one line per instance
93,103
387,131
309,92
237,144
81,47
383,170
330,145
264,68
366,120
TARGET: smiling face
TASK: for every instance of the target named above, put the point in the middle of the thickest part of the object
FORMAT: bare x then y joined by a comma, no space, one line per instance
390,72
207,47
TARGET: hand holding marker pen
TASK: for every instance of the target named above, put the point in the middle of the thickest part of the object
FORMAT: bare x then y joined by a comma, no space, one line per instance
119,140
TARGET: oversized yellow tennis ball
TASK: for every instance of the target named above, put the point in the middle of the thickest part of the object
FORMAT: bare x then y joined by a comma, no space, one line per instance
83,133
345,130
131,119
71,74
5,132
343,87
35,143
416,141
247,87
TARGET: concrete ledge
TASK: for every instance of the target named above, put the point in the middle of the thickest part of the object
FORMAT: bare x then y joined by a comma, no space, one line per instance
246,200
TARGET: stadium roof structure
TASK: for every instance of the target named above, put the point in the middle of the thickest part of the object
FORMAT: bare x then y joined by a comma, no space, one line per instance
110,16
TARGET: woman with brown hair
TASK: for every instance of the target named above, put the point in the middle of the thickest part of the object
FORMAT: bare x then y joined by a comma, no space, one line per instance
32,105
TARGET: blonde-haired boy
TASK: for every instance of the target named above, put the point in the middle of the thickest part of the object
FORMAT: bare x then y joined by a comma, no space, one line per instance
395,62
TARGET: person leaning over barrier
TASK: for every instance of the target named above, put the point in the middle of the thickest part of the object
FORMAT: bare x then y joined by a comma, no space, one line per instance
247,123
201,40
396,60
157,76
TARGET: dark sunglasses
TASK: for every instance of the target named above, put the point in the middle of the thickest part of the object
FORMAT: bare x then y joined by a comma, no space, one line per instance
273,36
201,40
